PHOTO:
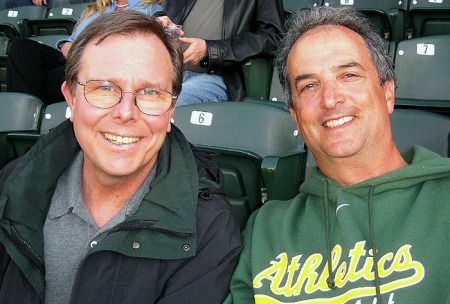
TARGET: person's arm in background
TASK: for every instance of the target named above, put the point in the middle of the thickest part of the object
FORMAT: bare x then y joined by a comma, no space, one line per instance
39,2
260,38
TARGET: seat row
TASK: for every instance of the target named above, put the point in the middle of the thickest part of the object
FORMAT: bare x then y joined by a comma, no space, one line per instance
256,144
396,19
29,21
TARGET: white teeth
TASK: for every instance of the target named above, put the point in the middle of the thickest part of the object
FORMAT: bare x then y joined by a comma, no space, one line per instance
338,122
121,140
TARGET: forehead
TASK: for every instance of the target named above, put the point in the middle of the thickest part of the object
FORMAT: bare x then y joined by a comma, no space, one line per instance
328,44
127,56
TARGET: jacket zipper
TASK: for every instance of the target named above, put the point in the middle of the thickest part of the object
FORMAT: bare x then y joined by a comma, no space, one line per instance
28,251
146,224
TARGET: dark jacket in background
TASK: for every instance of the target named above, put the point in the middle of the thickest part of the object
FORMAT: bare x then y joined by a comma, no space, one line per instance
181,245
251,28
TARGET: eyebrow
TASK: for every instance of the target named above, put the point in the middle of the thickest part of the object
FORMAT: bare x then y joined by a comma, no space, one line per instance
350,64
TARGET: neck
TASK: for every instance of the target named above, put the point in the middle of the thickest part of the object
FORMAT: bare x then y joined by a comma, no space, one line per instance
105,196
352,170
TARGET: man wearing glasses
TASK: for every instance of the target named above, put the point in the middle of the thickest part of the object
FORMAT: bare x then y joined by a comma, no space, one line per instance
113,206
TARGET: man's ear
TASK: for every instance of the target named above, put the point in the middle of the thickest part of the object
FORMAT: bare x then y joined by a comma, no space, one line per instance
389,93
169,124
65,89
294,115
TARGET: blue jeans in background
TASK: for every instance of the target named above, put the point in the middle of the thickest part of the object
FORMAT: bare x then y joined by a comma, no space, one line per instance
202,87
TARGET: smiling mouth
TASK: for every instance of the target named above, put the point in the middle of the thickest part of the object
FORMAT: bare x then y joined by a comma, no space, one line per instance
121,140
338,122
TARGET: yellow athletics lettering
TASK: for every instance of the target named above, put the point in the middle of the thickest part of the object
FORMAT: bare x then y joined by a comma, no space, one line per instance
403,261
312,274
355,255
308,275
288,290
274,273
366,271
382,271
336,255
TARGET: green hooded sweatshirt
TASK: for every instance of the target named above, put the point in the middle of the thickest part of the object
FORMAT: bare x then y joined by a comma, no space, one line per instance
399,221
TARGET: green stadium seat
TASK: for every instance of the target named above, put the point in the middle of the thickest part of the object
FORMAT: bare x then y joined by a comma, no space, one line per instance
53,115
276,91
418,127
15,16
18,113
3,78
257,76
422,67
9,31
4,44
292,6
67,11
256,145
388,16
428,18
59,21
47,27
49,40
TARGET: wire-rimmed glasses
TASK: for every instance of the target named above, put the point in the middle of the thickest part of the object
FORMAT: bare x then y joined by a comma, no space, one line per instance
104,94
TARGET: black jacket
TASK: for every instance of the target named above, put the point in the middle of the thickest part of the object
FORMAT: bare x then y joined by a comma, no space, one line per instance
188,239
251,28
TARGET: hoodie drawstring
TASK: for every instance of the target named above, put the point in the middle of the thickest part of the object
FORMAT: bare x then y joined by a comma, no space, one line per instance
373,244
330,280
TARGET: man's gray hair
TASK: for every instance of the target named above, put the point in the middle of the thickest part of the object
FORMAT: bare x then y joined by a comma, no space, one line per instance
306,20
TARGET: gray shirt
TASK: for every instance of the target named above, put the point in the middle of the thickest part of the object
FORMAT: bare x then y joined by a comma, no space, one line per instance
211,27
70,230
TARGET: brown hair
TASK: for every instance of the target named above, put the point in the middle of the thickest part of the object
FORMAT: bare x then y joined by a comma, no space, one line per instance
124,23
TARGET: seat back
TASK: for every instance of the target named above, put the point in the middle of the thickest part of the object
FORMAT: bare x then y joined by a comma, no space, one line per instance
4,45
9,31
428,18
47,27
59,21
53,115
422,67
388,16
257,76
16,15
240,136
292,6
3,76
67,11
49,40
18,113
276,90
417,127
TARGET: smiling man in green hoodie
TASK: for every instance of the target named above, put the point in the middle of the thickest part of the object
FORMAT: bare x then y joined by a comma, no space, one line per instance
370,225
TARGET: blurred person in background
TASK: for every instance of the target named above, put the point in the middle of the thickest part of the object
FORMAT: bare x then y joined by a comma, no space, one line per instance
38,69
219,35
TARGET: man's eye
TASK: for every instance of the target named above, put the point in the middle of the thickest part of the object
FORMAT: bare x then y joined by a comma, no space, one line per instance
350,75
148,91
106,88
308,86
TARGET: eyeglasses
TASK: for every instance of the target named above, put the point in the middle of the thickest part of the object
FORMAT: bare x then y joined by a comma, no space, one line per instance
104,94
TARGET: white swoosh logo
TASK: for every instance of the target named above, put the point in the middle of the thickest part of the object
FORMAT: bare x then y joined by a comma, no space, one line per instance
340,206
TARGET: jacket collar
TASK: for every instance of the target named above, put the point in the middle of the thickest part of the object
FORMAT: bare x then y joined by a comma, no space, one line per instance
170,204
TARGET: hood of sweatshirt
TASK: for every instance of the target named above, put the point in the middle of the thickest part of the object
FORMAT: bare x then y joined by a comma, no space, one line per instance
424,165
